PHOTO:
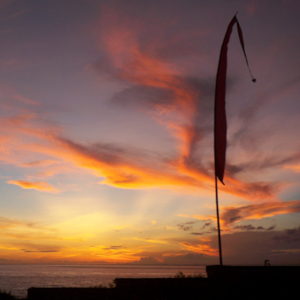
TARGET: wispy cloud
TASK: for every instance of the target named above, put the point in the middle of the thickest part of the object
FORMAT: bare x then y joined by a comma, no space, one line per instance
261,163
186,226
198,247
231,215
13,230
11,93
39,251
9,223
36,185
40,163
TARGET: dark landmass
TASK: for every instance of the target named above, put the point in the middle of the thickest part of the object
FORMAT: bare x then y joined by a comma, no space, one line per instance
227,281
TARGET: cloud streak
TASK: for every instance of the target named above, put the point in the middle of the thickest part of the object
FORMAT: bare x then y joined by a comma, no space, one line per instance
200,248
36,185
231,215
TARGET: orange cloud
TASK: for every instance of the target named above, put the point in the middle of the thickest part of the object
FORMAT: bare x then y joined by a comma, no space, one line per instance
295,168
40,163
36,185
231,215
133,169
120,167
200,248
131,62
48,153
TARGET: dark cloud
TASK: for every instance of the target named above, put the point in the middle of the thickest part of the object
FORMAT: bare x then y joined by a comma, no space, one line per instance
150,97
252,140
249,113
4,261
43,251
258,190
114,248
206,224
234,219
6,223
146,261
186,226
190,258
254,247
251,227
39,248
152,82
245,227
289,235
262,163
139,96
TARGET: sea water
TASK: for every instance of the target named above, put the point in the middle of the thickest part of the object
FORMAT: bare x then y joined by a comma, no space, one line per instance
16,279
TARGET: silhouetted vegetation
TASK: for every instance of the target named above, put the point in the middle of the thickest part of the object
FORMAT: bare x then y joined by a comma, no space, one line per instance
182,275
111,285
6,296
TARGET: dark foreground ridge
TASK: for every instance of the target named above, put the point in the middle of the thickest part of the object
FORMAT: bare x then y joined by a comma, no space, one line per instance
226,281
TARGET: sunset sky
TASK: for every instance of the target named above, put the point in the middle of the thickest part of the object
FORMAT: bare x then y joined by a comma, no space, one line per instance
106,132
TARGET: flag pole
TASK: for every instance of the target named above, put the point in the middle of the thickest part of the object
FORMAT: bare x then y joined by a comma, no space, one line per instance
220,123
218,221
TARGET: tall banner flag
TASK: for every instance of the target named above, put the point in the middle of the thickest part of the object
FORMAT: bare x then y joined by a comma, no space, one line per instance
220,128
220,112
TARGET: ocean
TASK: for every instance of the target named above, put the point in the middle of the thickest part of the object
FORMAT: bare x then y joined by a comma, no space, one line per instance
16,279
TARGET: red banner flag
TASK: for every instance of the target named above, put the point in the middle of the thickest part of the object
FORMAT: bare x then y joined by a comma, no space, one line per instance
220,132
